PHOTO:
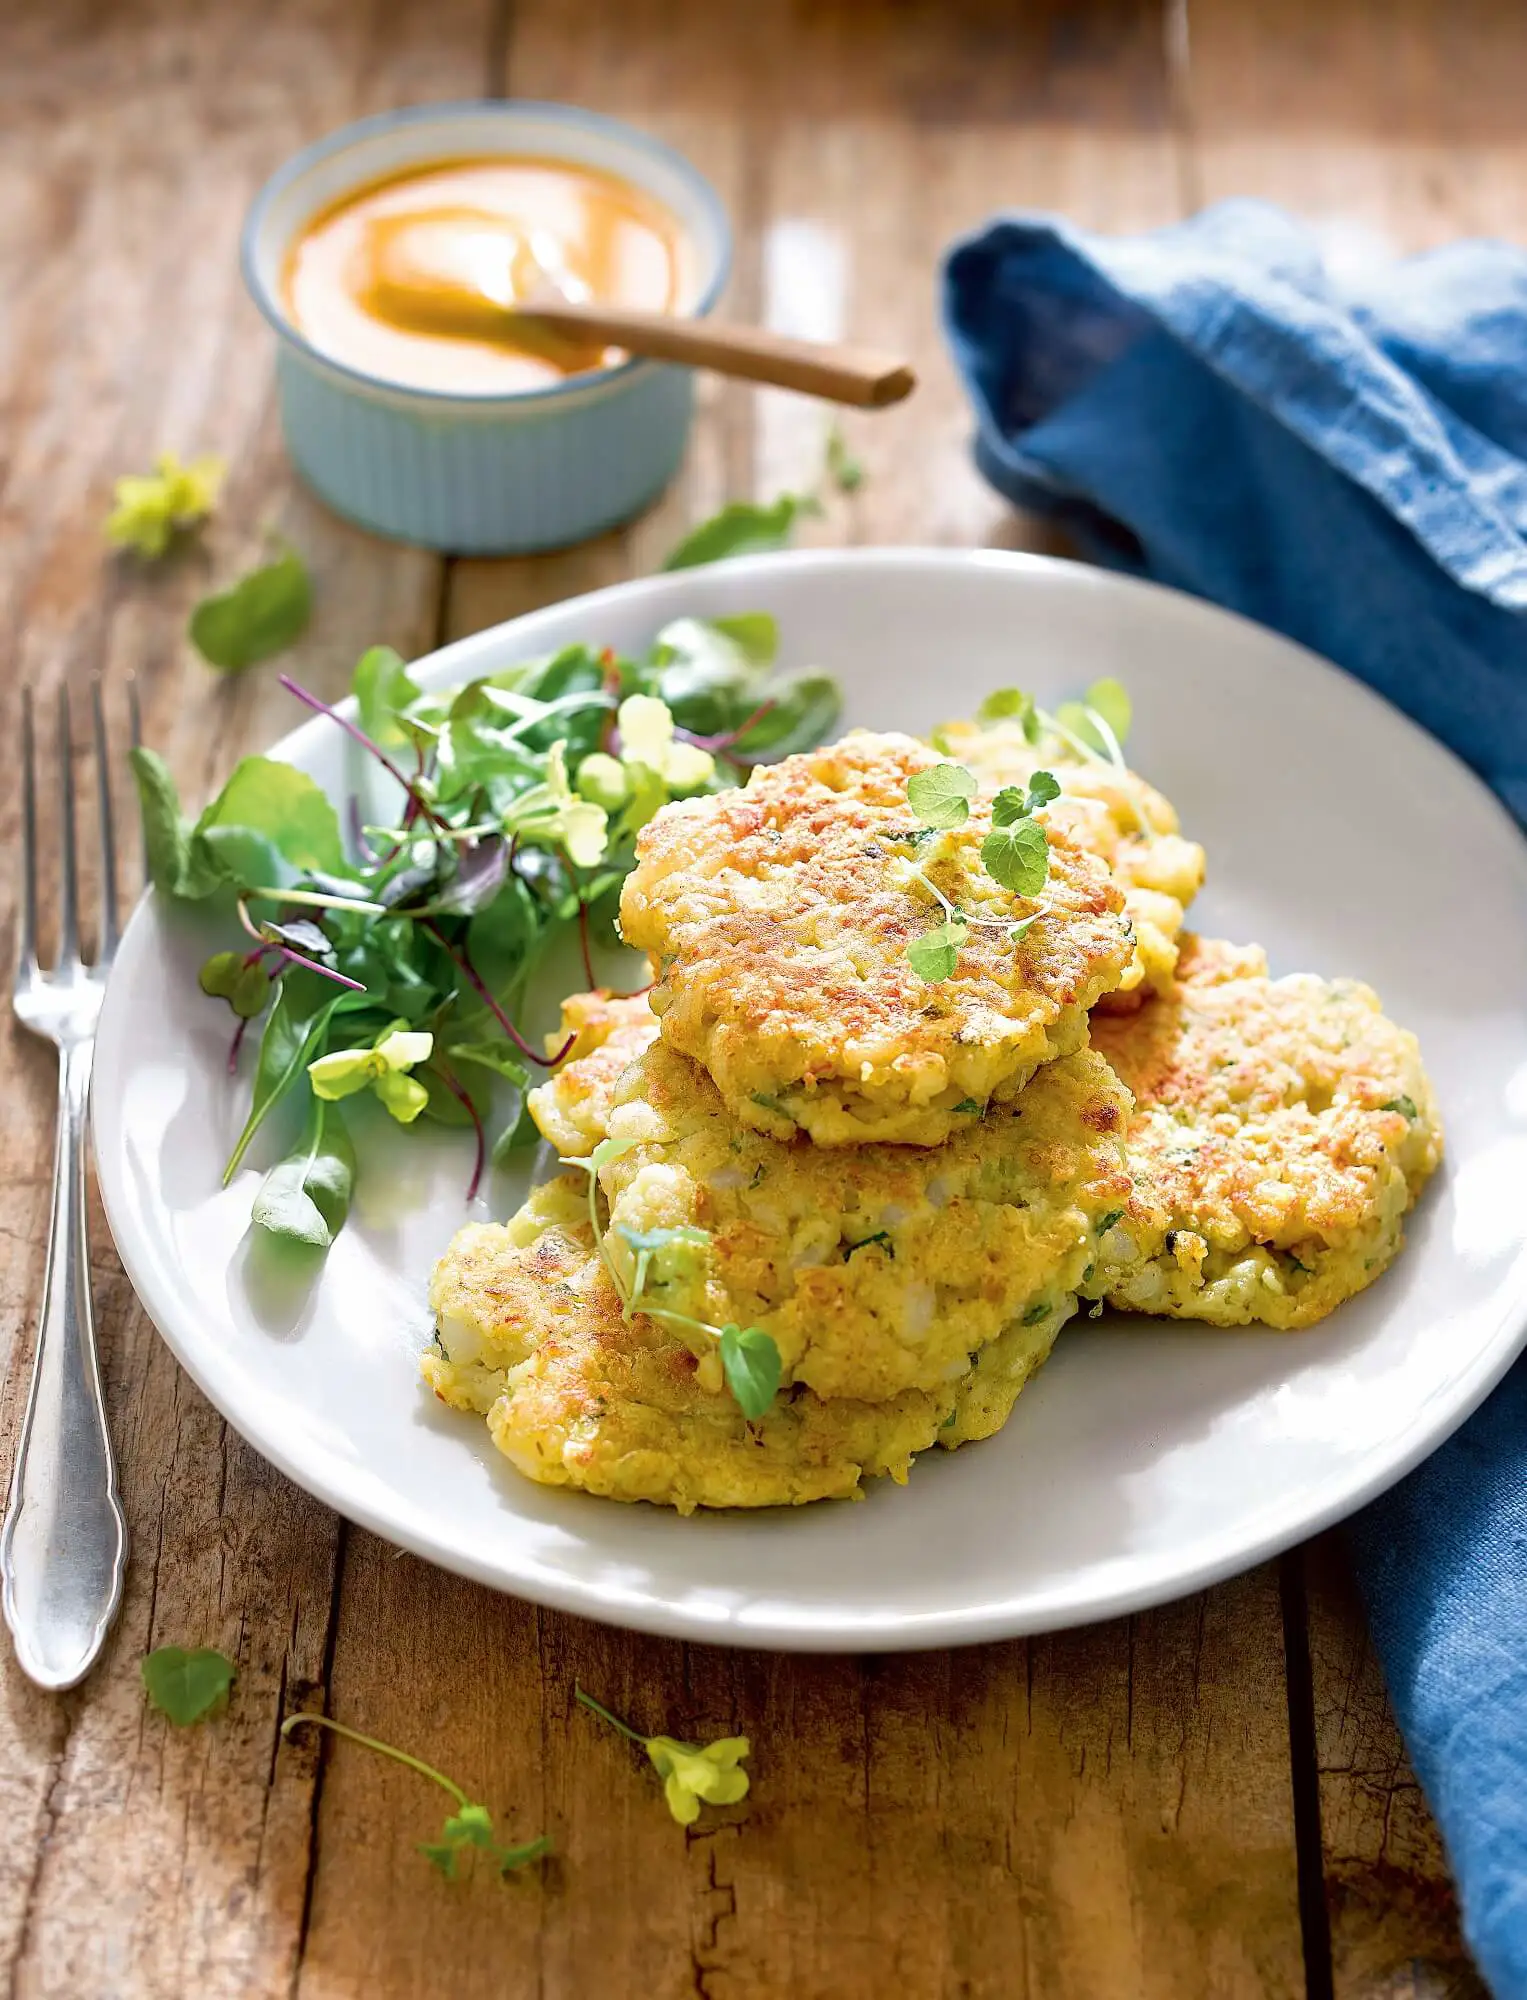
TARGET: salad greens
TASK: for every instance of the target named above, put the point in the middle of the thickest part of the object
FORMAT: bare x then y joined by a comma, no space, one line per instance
389,958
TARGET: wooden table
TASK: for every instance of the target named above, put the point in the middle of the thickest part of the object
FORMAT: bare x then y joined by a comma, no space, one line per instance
1208,1799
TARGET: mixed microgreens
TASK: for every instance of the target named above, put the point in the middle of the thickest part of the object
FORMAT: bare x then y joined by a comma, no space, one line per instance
1015,853
750,1360
392,958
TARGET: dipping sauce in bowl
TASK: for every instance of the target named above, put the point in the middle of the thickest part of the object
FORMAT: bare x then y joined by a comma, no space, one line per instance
409,278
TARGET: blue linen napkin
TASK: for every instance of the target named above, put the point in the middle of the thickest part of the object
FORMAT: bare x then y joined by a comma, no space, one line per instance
1203,405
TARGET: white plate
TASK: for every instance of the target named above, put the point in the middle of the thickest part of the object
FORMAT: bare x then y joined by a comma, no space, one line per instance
1147,1459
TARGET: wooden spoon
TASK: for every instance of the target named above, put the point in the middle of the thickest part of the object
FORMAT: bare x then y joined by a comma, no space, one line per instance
458,272
860,376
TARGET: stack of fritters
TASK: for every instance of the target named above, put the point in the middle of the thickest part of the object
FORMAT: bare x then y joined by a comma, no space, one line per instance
909,1185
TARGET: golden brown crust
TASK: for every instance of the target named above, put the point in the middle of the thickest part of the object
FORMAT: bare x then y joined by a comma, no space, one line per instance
1282,1129
576,1395
611,1030
1115,815
779,917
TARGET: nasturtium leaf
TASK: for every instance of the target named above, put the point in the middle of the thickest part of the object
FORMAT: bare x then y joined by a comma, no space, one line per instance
1043,787
941,795
263,613
187,1686
1017,856
750,1361
742,529
935,954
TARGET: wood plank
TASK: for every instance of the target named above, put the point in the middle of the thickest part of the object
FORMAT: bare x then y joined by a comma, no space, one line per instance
1098,1812
1394,1917
134,1859
1391,127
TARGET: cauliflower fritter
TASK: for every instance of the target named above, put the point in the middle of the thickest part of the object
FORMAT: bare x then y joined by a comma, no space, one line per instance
1282,1129
612,1029
1113,814
532,1337
779,917
874,1270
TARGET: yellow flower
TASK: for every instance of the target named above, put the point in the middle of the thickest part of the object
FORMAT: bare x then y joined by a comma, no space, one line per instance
383,1070
646,737
151,506
691,1772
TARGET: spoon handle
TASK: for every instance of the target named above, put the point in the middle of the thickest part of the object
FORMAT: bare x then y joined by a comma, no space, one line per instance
856,375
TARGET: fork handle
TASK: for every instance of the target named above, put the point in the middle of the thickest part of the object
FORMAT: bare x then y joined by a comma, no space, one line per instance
63,1552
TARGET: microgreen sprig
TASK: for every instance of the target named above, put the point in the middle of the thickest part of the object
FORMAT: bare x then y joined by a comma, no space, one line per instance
466,1833
691,1772
750,1358
1016,854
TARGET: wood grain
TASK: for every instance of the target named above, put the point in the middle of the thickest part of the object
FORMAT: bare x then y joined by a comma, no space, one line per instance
1390,128
134,1859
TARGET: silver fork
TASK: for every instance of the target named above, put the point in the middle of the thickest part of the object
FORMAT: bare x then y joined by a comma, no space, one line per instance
63,1551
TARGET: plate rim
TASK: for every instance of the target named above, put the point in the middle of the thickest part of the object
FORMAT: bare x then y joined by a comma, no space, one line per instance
907,1631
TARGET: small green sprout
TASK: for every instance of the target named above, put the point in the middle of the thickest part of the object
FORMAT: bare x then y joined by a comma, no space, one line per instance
466,1833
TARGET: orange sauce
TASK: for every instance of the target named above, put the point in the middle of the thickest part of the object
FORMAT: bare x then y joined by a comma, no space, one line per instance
409,279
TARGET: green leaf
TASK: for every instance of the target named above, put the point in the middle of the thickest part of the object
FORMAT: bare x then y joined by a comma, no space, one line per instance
499,1057
941,796
187,1686
1405,1105
510,1860
286,808
382,688
306,1198
166,840
803,710
293,1035
751,1363
1017,856
262,614
1043,787
1012,705
1110,699
755,632
742,529
935,954
844,470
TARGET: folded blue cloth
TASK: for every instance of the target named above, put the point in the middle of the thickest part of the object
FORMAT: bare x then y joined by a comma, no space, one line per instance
1203,405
